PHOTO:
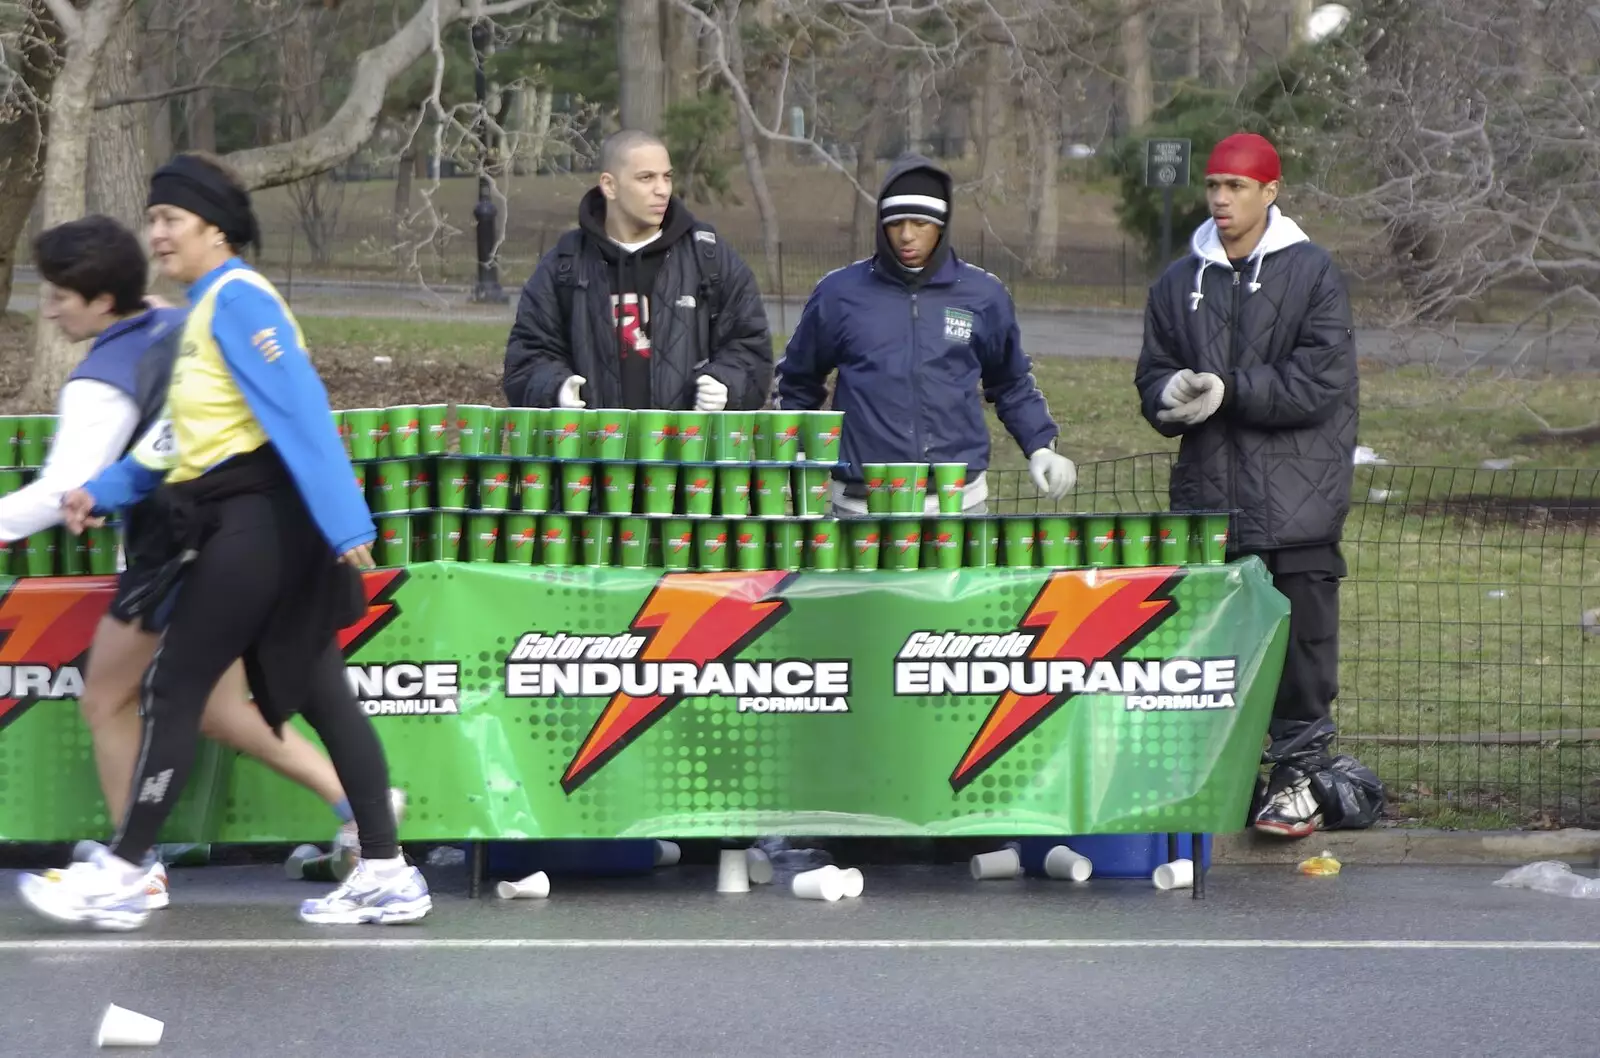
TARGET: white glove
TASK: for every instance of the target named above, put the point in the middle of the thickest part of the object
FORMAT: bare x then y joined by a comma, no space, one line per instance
568,397
709,394
1181,388
1053,474
1202,406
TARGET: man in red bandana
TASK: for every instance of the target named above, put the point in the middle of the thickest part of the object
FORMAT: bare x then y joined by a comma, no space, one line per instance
1248,356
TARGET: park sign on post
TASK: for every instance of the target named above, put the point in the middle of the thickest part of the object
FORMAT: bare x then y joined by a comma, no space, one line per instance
1166,165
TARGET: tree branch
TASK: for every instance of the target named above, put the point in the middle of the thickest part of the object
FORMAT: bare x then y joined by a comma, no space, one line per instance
66,17
169,93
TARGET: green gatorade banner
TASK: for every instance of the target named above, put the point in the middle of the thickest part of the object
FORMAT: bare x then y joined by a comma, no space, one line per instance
529,702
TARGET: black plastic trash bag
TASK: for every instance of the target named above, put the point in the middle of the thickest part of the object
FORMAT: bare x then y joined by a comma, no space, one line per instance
1350,795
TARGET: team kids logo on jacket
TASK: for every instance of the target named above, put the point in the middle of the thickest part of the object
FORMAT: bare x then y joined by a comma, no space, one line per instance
958,326
681,644
1071,642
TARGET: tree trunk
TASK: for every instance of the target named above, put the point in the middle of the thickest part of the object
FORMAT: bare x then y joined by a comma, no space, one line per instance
1138,81
680,51
916,126
158,73
864,219
1299,17
1044,213
1226,40
640,74
64,196
750,151
21,167
994,110
119,144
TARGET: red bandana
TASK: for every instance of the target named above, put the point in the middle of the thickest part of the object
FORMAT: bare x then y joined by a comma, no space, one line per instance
1246,154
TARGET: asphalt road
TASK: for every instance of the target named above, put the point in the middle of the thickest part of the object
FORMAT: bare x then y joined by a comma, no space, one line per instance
1084,333
1375,962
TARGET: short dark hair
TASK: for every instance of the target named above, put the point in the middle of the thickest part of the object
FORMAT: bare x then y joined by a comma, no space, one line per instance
617,146
95,256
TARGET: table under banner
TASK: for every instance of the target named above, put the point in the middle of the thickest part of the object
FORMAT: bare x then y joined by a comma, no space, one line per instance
530,702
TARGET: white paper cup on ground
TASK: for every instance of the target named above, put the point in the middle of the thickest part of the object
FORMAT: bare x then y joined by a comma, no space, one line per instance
853,882
668,853
759,866
733,875
824,883
1179,874
535,886
1002,864
120,1027
1062,862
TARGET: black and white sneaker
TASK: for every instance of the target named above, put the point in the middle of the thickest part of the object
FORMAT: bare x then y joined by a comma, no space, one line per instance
1289,810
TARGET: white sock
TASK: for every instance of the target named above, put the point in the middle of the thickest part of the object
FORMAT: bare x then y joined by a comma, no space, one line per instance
386,868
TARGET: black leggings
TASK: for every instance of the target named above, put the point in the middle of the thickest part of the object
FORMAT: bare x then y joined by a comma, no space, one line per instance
223,605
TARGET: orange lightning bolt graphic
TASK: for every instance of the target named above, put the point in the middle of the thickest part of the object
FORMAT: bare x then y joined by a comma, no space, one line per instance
380,586
1080,618
690,617
49,622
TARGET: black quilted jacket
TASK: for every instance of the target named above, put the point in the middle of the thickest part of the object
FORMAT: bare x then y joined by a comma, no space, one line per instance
1280,449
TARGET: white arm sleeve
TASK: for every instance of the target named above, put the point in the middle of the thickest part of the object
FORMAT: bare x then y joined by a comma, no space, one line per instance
96,422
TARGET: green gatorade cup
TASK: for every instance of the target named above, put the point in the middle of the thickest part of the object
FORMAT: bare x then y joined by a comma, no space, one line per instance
577,487
733,491
1214,539
102,542
402,431
903,538
693,441
596,538
74,553
483,537
787,542
677,544
1051,541
945,536
732,438
823,546
660,484
611,433
876,478
698,486
655,436
750,544
475,425
366,432
769,490
1100,540
633,543
494,484
417,476
519,430
905,497
711,544
1172,540
1137,535
444,536
784,427
521,535
590,420
386,487
555,540
394,539
564,433
533,486
1017,542
456,479
433,429
866,544
815,491
982,550
821,435
950,480
617,481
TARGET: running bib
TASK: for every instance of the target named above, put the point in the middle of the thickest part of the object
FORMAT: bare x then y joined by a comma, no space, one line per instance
158,448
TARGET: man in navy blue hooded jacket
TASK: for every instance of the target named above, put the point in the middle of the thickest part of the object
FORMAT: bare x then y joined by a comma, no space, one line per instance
912,333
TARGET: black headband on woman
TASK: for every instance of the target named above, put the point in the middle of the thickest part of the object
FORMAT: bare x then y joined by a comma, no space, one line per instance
191,184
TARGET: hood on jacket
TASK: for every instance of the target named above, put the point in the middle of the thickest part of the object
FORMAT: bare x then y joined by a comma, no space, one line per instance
887,259
1206,245
592,219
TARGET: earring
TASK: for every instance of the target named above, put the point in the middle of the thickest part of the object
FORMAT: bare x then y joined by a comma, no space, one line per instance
219,242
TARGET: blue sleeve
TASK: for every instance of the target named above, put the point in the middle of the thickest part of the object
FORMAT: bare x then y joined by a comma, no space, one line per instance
1008,381
262,350
123,484
808,360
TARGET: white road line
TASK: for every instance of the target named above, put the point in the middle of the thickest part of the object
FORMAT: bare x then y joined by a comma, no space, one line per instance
447,944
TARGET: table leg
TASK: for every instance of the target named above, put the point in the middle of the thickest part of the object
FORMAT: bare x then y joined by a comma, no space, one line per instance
1172,846
1197,850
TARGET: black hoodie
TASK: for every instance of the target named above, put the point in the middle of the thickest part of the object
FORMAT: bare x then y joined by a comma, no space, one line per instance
633,281
888,260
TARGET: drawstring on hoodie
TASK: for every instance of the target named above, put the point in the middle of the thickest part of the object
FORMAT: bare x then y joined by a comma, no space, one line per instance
1207,246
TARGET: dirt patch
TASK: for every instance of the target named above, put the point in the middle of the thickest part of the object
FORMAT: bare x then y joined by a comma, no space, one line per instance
1572,512
354,381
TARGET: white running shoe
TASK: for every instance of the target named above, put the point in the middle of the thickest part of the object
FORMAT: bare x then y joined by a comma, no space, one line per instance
94,892
346,848
156,887
366,898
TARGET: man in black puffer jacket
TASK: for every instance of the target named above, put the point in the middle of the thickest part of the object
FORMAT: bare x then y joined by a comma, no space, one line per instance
1249,357
640,306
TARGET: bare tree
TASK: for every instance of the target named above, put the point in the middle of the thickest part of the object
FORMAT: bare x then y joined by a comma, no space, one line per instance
641,76
119,147
26,76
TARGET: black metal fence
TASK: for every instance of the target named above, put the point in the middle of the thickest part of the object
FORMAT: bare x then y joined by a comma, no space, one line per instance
1470,631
